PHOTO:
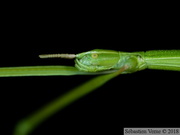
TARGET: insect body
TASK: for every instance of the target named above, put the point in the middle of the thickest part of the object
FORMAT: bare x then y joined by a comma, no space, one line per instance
99,60
108,60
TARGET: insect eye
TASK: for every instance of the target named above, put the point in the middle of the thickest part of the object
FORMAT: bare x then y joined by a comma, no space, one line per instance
94,55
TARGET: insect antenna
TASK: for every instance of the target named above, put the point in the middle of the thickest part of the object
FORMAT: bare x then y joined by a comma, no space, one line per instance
64,56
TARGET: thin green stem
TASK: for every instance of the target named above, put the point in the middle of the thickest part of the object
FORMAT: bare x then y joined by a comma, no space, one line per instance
45,71
38,71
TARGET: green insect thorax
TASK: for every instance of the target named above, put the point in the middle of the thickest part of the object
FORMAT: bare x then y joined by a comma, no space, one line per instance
97,60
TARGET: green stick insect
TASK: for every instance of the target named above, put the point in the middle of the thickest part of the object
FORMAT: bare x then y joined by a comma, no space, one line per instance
106,63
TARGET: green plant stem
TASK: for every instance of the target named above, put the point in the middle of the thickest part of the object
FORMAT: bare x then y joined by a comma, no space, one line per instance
45,71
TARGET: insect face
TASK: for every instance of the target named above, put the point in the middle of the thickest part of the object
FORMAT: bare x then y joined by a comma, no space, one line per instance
96,60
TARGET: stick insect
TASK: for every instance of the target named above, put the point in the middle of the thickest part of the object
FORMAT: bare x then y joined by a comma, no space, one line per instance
106,63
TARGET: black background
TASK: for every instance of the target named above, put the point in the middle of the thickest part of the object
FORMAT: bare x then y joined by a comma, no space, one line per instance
144,99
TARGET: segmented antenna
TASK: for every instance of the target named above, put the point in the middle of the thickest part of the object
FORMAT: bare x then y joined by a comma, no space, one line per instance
65,56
